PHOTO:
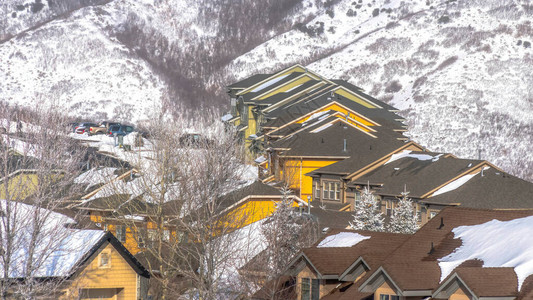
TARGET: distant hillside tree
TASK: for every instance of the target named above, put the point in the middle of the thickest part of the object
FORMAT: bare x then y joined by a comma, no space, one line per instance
367,215
403,218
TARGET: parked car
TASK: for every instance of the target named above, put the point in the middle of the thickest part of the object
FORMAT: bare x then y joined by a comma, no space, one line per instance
84,127
72,126
120,130
102,128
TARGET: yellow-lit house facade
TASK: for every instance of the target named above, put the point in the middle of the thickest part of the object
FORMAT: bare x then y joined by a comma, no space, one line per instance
108,271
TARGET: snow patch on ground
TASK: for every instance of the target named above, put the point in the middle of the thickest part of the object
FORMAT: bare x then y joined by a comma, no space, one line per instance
342,239
490,242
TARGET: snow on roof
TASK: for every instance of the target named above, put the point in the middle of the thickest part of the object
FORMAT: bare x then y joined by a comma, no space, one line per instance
456,183
320,115
237,249
342,239
226,117
260,159
96,176
269,83
490,242
407,153
57,248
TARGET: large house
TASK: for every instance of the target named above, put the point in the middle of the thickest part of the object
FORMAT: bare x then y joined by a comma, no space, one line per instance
69,260
267,102
463,253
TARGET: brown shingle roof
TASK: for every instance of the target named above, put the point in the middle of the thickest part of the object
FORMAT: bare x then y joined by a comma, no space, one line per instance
335,260
490,282
418,176
495,189
414,267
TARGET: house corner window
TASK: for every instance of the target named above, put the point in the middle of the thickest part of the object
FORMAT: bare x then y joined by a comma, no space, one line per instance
317,190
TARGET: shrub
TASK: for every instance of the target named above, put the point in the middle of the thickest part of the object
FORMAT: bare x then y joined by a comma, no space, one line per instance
527,44
444,20
351,13
375,12
393,87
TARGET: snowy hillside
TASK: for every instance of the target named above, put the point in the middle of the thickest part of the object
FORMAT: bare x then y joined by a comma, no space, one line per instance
459,70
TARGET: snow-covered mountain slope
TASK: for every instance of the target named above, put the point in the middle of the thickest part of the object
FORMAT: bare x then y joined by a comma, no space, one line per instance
459,70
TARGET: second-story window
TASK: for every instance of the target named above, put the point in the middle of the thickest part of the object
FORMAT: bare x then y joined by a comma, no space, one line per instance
120,233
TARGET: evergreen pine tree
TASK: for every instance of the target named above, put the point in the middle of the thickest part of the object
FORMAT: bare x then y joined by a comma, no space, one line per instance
367,214
403,218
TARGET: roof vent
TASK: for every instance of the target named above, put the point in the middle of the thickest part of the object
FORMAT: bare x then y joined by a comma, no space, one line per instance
432,249
332,94
322,140
441,223
344,149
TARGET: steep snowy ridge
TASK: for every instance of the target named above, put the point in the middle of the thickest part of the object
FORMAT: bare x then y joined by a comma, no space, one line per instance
459,70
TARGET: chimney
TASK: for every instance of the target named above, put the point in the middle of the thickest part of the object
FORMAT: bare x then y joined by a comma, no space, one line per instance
432,249
441,223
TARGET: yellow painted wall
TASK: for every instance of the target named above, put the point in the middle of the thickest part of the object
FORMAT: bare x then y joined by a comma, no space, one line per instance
119,275
287,87
383,289
251,211
19,186
252,123
345,93
294,171
459,294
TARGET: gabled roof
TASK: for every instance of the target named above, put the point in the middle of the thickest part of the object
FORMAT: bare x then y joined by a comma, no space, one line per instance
328,141
481,282
295,110
493,189
417,172
108,237
247,82
338,261
414,265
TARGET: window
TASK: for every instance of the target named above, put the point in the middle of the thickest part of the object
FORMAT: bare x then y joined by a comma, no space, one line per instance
317,190
104,260
166,235
357,198
310,289
389,206
332,190
389,297
120,233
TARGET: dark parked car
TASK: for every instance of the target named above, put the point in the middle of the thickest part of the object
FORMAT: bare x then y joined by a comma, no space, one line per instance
120,130
84,127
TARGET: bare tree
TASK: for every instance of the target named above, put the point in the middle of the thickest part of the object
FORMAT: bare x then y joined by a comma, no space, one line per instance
174,208
37,165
